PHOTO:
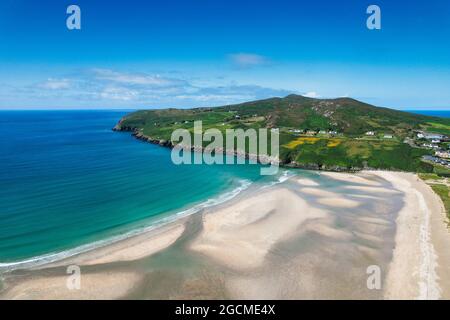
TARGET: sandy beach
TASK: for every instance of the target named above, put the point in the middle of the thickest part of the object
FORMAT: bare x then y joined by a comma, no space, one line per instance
312,236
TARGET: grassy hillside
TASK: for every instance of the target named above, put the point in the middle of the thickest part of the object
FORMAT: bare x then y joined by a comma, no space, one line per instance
352,153
348,148
440,186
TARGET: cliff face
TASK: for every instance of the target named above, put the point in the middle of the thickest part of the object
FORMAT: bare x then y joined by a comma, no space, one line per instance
140,136
121,127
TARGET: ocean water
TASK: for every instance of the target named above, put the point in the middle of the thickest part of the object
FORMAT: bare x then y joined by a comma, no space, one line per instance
69,183
434,113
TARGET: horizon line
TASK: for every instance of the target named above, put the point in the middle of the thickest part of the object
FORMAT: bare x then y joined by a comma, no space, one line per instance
135,109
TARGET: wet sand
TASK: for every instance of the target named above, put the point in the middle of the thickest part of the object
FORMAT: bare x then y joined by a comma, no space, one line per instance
312,236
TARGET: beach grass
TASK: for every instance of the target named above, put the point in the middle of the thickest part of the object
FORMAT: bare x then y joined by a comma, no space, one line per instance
444,192
440,186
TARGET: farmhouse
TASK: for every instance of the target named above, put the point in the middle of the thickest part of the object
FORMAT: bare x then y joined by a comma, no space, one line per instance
442,154
433,136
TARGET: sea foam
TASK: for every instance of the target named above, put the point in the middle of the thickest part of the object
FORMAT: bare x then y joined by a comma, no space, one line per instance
57,256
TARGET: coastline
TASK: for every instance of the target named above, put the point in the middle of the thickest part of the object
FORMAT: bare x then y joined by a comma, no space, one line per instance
288,227
56,258
413,271
262,159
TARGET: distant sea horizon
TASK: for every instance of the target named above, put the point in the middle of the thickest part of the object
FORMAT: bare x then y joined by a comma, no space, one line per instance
434,113
431,112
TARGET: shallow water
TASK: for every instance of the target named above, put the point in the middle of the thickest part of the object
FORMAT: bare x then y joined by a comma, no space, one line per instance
68,180
308,265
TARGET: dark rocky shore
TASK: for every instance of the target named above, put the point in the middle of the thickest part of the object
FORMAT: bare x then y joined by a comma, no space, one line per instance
261,159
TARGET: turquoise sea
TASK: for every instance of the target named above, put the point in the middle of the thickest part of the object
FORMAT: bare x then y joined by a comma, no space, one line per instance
69,183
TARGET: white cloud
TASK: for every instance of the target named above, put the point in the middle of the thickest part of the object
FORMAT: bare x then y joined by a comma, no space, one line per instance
311,94
215,97
55,84
135,78
109,87
118,93
248,60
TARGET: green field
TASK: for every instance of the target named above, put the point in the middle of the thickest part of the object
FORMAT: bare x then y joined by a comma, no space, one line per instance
440,187
353,153
443,191
348,149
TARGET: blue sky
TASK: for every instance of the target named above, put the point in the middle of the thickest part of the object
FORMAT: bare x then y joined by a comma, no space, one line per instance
187,53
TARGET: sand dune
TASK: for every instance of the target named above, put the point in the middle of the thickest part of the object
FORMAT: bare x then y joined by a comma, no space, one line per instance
240,235
101,285
134,248
339,202
307,182
367,179
295,240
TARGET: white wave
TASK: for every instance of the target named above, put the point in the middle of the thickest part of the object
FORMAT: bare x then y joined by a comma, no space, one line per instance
285,176
57,256
282,178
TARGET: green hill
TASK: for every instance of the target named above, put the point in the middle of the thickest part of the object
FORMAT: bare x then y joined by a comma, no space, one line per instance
339,141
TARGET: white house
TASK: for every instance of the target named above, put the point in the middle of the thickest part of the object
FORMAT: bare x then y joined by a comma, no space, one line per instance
442,154
433,136
370,133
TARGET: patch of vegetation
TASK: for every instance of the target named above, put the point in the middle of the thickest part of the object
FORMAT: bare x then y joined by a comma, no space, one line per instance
441,171
333,143
436,127
349,117
358,153
439,185
443,191
302,140
429,176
